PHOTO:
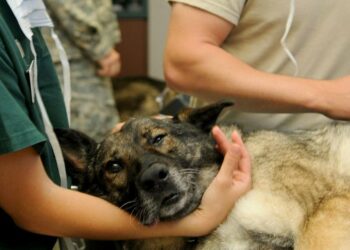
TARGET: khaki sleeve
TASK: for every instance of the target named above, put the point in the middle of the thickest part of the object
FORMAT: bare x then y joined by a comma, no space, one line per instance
109,21
90,25
229,10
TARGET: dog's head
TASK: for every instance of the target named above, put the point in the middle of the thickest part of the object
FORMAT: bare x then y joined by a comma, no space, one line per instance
157,169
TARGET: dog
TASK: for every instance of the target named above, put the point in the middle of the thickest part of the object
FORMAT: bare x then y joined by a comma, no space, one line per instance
158,170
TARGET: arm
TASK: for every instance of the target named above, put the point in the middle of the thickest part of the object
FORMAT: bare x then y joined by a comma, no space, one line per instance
195,64
38,205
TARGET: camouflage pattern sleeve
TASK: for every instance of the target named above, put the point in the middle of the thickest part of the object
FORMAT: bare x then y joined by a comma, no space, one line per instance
91,25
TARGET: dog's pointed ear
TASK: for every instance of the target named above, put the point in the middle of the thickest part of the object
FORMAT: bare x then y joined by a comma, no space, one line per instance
78,149
203,117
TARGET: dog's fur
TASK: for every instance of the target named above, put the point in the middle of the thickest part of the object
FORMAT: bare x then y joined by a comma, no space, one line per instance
159,169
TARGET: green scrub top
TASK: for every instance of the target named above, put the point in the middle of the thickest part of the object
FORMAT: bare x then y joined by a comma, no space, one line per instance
21,125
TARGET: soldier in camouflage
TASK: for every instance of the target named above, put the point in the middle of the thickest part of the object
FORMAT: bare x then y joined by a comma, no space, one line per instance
89,32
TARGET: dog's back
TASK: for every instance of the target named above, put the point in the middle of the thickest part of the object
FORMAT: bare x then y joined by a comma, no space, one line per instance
300,193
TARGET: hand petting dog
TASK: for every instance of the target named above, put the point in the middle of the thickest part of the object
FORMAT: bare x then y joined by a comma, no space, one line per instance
232,181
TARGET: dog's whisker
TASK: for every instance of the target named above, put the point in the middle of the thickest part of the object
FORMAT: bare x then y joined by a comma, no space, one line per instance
189,172
132,214
141,214
137,214
189,169
130,207
132,202
186,172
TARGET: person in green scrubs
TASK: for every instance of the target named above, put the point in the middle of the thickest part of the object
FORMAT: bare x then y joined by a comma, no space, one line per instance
34,209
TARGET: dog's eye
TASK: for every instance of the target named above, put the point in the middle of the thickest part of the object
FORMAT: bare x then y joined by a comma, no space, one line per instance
114,167
157,139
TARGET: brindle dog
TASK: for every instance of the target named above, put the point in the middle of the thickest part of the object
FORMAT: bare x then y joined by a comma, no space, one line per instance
158,170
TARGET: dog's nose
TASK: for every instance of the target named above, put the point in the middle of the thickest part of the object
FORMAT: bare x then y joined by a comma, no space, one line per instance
154,177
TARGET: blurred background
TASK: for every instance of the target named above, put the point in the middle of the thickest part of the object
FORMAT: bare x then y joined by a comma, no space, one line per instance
143,26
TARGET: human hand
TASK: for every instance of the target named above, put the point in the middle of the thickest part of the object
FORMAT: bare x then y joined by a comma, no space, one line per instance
232,181
241,171
110,64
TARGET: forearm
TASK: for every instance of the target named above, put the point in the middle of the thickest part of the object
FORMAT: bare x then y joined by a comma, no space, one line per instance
205,70
36,204
95,219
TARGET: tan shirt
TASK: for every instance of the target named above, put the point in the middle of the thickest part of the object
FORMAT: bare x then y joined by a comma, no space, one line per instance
318,39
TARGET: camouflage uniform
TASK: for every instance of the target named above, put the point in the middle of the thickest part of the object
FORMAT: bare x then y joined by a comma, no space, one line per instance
88,30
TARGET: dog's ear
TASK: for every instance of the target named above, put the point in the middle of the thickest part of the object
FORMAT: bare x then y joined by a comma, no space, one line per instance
78,150
204,117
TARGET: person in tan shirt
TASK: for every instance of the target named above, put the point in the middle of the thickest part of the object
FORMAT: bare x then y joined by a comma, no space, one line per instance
239,50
